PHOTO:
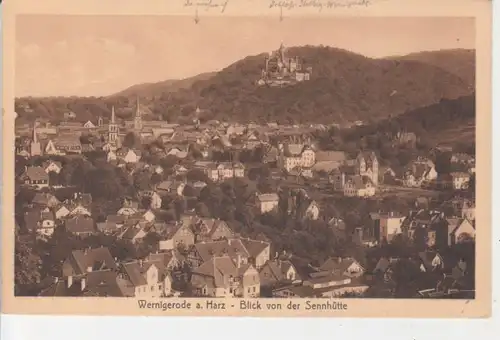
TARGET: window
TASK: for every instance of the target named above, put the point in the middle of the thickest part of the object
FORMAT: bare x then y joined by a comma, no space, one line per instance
231,290
254,289
152,288
249,290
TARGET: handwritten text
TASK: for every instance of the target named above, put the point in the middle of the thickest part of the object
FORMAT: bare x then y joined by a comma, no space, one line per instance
319,4
220,5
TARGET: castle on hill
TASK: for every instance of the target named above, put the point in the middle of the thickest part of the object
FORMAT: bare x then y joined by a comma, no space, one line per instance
281,70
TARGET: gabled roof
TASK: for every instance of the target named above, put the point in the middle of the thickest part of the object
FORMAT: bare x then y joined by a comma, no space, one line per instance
44,199
337,265
96,258
268,197
330,156
231,248
254,247
136,271
80,224
218,270
36,173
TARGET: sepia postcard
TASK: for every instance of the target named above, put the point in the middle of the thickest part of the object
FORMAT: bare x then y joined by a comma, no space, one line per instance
322,158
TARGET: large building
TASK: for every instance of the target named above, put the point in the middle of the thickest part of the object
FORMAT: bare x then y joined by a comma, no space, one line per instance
281,70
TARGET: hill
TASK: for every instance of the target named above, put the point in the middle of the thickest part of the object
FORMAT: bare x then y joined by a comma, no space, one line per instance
152,90
345,87
447,123
460,62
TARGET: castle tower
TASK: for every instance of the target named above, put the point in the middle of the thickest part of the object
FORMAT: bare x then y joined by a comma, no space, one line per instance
35,149
113,128
137,118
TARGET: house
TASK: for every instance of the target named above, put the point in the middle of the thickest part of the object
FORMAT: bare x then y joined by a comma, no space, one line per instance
347,266
460,180
419,173
173,260
80,225
328,161
166,187
89,125
259,251
302,206
81,263
134,231
89,272
459,231
364,165
175,235
45,200
295,155
35,176
462,158
108,227
146,279
278,272
246,250
468,210
128,155
210,229
40,221
222,276
101,283
129,207
52,166
179,170
387,225
267,202
332,286
359,186
431,261
66,144
155,199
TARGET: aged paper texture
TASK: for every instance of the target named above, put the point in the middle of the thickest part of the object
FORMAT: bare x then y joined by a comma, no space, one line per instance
247,158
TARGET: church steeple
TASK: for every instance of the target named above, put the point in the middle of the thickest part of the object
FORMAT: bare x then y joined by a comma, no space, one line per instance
113,128
35,149
138,118
35,135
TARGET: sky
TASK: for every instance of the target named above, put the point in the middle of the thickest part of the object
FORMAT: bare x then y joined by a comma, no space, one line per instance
64,55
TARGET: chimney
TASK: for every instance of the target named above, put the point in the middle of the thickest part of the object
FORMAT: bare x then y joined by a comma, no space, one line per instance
83,283
89,269
70,281
140,262
56,280
238,261
229,241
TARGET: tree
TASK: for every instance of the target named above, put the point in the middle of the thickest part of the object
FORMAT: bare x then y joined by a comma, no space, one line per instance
27,266
130,140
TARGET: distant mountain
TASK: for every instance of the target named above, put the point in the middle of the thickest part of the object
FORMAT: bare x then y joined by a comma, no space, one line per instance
460,62
151,90
344,87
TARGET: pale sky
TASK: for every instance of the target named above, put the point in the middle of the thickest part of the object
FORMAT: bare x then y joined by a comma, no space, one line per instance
62,55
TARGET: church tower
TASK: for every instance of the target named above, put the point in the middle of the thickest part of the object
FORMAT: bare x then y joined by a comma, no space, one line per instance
35,149
137,118
112,128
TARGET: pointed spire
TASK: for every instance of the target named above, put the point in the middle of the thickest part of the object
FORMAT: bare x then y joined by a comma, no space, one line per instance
113,114
35,137
137,110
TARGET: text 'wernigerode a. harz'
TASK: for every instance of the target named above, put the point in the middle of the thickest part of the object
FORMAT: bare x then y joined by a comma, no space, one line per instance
245,305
